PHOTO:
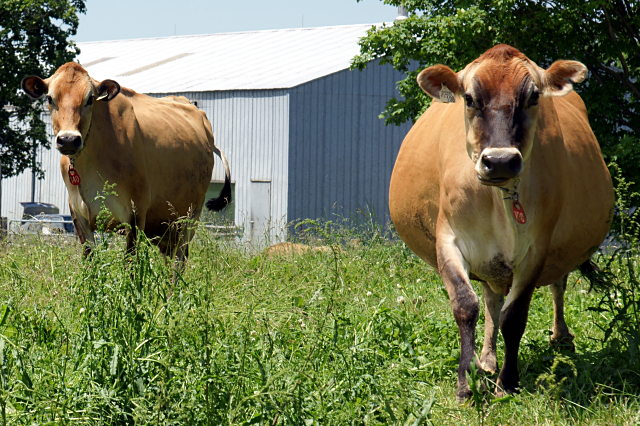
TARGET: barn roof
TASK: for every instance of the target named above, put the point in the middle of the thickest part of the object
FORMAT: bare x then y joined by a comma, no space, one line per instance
272,59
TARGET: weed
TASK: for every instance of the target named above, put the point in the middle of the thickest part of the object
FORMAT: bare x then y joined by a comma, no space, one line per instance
360,334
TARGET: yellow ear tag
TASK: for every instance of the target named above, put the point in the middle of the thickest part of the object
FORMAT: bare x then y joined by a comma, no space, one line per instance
446,95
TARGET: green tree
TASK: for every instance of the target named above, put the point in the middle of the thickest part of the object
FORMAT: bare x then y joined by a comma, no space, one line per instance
603,34
34,40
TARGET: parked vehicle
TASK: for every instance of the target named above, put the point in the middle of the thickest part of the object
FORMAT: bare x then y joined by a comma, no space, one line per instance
48,224
42,218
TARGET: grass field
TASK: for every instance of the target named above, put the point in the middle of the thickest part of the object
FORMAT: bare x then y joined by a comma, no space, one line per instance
362,334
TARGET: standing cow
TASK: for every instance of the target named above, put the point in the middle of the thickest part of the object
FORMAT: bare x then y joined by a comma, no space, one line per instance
157,152
502,181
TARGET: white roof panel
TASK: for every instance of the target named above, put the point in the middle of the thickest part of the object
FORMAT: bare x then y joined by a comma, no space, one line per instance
273,59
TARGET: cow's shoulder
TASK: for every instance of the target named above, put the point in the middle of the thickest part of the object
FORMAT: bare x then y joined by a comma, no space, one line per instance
570,103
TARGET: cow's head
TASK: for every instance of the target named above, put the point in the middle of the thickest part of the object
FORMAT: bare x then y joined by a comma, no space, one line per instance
71,95
501,91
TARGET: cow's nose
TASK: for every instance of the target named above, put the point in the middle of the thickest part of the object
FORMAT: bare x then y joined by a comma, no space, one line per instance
68,144
501,166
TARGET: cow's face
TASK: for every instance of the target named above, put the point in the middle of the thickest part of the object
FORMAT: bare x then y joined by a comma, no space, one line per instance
71,96
501,92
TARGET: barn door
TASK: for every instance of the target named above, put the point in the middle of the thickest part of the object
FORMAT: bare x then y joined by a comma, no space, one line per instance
260,217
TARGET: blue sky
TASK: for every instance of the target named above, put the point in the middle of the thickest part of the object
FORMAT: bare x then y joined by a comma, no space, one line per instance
122,19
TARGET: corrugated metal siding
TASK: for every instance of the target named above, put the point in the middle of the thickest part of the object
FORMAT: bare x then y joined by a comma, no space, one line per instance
341,154
50,189
14,190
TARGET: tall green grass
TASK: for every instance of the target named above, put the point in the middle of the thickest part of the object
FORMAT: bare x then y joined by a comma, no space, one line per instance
361,334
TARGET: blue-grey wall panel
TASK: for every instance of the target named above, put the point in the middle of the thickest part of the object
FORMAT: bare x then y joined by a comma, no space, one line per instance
340,153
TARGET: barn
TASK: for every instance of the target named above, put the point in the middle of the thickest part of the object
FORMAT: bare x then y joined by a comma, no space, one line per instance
300,128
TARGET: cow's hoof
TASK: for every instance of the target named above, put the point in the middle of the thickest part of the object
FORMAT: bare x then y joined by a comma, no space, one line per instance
463,395
563,343
504,390
506,384
488,364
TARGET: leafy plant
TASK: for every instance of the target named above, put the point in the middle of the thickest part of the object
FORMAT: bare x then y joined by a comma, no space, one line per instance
34,40
602,34
620,290
360,334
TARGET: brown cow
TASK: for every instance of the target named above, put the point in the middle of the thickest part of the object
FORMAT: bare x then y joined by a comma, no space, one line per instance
157,152
501,180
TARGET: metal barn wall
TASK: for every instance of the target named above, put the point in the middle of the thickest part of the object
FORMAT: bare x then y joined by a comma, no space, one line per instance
341,154
51,189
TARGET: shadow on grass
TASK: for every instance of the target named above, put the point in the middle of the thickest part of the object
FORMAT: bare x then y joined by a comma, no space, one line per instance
592,376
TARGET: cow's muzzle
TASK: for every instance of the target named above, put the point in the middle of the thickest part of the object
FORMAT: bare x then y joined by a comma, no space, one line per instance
498,165
68,143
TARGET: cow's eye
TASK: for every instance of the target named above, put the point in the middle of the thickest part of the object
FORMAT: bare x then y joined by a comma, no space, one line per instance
468,99
89,100
533,98
50,100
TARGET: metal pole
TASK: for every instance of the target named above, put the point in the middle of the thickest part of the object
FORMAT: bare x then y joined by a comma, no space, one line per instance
1,181
4,226
33,175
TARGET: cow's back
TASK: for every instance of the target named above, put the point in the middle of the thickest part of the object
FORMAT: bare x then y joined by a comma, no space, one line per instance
175,146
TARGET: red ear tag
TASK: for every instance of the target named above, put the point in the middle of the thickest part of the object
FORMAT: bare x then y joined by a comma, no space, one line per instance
74,177
518,212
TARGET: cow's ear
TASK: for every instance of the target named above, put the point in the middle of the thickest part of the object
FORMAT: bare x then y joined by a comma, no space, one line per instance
34,86
107,90
560,76
439,82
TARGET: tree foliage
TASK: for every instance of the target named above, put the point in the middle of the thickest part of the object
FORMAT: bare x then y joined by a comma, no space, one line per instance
603,34
34,40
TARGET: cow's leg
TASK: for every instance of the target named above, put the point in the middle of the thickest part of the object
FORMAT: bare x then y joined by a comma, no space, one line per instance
561,336
175,241
464,303
170,241
78,209
492,305
182,248
136,223
186,232
132,237
175,248
84,234
186,235
181,232
83,231
513,320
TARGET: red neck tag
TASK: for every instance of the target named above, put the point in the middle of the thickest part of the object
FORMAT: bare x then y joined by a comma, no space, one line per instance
518,212
74,177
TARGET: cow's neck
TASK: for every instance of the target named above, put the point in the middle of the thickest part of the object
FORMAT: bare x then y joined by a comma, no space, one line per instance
105,135
104,146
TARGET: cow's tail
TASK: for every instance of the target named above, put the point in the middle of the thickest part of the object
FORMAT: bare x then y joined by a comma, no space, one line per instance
599,279
220,202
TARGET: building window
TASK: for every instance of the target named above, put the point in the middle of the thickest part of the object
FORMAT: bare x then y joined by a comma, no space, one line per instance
227,215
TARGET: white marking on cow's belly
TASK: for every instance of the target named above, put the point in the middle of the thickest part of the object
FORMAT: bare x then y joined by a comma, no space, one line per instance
120,211
495,251
78,205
